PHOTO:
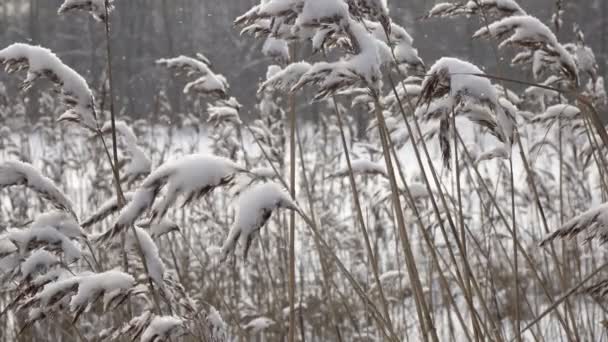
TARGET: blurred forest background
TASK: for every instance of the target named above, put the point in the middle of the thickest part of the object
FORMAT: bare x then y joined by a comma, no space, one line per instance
145,30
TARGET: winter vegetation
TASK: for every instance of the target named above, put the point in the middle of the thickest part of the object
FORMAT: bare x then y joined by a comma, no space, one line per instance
468,204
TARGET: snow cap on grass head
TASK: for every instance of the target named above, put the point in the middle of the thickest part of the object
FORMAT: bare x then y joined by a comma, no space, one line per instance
207,83
45,235
360,68
491,8
162,328
138,164
362,167
62,221
19,173
456,86
192,177
254,208
458,79
97,8
40,62
39,260
593,222
359,27
537,40
583,55
376,10
154,264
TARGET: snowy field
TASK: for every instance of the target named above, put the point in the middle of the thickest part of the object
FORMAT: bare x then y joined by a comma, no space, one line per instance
456,211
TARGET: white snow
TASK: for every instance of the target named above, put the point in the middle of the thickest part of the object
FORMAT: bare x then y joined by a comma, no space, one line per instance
463,81
315,12
298,306
158,229
139,163
372,55
285,79
123,128
88,287
53,274
191,176
39,260
161,328
19,173
26,239
418,190
597,90
363,67
583,57
565,111
6,247
9,263
220,113
61,221
277,49
525,28
439,9
54,291
377,8
155,265
108,284
137,324
42,62
362,167
505,118
508,94
141,200
506,5
400,40
500,152
489,7
407,90
105,209
263,172
479,114
254,208
593,222
437,109
95,7
467,86
259,324
278,7
404,50
207,82
390,275
53,229
210,84
528,31
219,328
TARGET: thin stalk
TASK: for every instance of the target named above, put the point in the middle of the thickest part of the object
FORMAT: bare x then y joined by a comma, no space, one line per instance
427,322
441,196
312,225
322,260
119,193
292,215
370,253
463,237
121,198
519,246
436,257
515,263
563,298
530,176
